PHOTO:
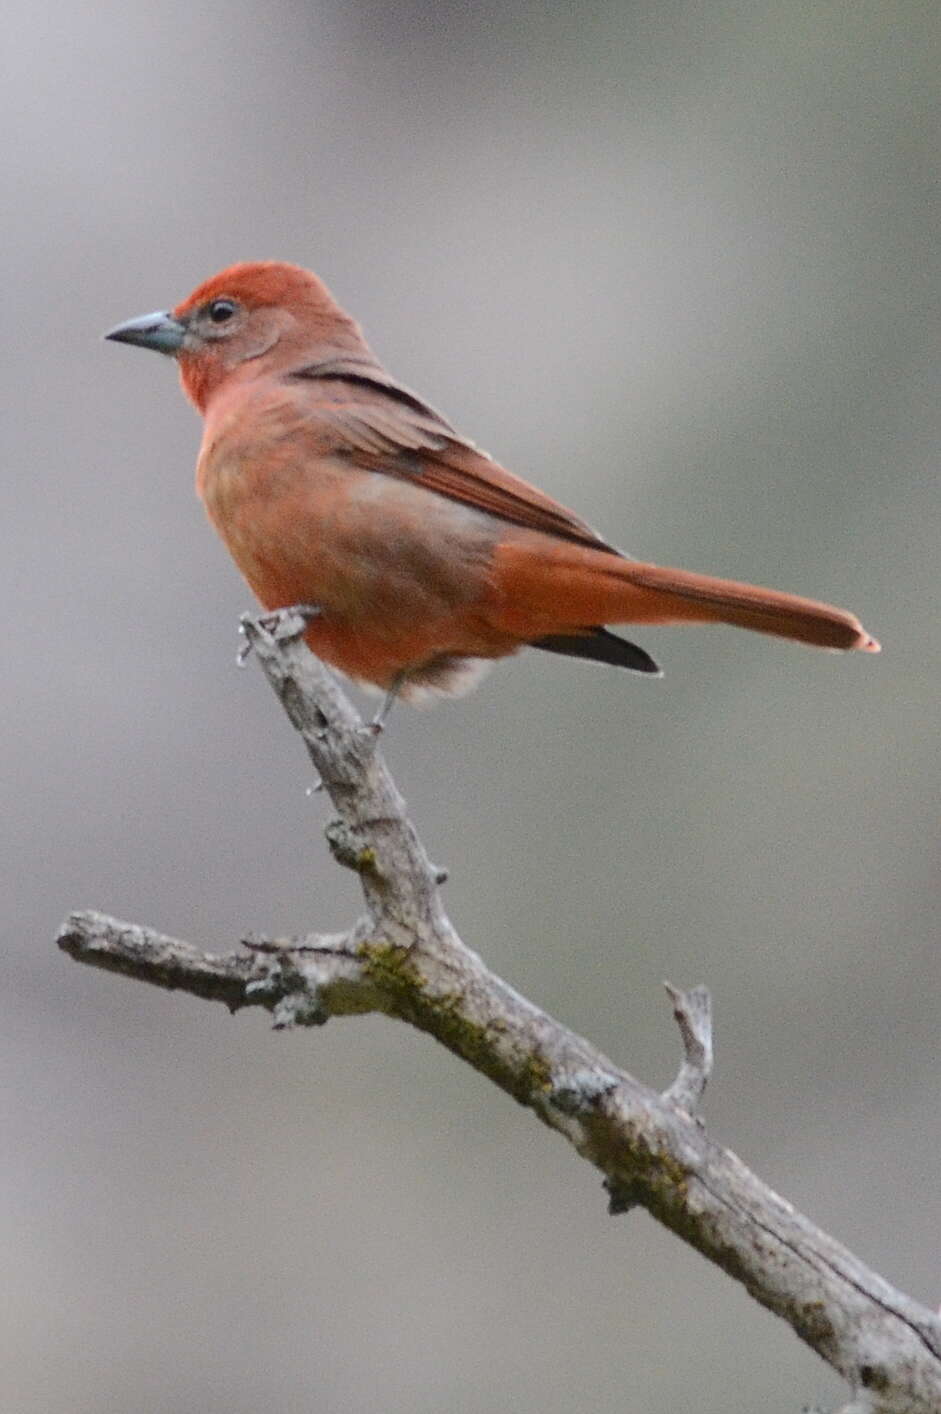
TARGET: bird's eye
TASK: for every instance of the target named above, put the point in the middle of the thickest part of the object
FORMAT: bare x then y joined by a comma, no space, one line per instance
221,310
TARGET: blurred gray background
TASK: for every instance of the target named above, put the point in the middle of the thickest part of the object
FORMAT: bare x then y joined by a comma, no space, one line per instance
678,264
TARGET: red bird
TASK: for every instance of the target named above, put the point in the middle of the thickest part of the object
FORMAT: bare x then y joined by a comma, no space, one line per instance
334,486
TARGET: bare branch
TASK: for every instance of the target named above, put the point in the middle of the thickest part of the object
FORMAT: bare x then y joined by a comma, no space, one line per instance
301,981
405,959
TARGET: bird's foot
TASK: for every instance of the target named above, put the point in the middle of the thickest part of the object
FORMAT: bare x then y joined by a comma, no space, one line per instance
282,625
377,725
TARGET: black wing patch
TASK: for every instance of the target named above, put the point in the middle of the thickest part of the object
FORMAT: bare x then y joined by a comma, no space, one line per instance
601,646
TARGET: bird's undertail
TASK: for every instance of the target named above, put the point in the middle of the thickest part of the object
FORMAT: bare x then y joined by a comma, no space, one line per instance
600,646
668,595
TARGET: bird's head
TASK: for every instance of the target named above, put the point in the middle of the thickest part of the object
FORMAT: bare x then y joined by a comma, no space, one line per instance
265,313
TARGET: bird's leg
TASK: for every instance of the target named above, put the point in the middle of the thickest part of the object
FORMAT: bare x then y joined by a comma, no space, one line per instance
281,624
379,720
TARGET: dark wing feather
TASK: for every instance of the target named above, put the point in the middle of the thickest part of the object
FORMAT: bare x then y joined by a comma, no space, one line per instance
600,646
391,430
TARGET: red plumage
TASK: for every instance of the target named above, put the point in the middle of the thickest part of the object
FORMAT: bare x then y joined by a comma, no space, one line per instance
332,484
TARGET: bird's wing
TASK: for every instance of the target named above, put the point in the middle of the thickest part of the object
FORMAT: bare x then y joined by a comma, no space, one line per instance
388,429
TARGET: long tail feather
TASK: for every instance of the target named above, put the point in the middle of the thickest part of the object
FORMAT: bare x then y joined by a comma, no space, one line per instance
750,606
549,589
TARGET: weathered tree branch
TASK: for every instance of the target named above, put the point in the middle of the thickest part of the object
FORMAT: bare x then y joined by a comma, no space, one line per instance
404,958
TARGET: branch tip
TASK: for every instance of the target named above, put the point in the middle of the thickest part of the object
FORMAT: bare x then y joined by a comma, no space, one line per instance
692,1011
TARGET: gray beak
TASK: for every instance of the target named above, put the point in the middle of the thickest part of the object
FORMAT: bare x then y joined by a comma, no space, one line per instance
158,331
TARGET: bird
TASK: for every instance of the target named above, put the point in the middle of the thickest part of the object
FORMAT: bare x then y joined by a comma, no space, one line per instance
416,559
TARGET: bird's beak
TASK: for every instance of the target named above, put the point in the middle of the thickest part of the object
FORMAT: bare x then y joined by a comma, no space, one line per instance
158,331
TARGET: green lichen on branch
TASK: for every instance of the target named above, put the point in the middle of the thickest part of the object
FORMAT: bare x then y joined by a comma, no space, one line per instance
397,974
637,1170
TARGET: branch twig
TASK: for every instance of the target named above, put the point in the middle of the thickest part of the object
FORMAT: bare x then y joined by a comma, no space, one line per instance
692,1012
404,958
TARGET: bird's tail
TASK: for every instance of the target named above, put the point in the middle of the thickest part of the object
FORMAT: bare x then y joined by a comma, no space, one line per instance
676,595
572,588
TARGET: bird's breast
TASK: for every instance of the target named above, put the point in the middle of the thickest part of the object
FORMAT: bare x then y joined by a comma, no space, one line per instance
307,525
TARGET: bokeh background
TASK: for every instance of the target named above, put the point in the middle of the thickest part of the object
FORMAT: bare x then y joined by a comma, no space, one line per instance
679,264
